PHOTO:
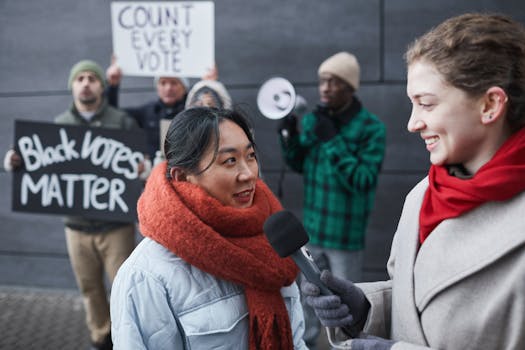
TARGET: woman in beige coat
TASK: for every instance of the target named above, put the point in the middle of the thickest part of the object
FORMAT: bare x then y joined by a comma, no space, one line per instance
457,264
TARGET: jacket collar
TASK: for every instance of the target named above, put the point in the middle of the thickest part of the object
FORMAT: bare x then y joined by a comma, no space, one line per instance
168,112
347,113
73,109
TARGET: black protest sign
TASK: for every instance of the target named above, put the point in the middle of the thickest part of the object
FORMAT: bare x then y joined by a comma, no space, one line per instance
78,171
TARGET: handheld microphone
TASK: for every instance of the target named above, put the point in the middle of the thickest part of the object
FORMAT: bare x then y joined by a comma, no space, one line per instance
288,237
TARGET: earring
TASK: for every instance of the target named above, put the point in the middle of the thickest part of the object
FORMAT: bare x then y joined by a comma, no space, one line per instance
490,116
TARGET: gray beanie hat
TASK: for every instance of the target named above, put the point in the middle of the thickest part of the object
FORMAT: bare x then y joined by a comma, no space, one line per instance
184,81
343,65
86,65
218,91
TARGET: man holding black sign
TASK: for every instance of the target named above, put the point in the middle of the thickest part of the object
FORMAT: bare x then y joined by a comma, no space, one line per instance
93,245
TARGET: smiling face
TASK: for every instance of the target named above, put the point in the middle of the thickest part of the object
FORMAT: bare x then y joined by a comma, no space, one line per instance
448,120
232,175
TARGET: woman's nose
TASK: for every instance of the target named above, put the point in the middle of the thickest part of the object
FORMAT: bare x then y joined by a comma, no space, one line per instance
248,172
415,124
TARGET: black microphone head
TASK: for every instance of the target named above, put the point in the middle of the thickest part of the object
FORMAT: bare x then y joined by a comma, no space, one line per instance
285,233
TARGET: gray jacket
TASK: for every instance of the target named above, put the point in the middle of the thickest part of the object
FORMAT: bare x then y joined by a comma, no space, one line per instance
463,289
158,301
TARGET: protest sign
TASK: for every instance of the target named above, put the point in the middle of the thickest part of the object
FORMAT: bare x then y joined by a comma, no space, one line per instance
164,38
78,171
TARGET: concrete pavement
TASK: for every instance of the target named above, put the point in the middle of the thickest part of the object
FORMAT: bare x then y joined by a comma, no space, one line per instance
32,318
50,319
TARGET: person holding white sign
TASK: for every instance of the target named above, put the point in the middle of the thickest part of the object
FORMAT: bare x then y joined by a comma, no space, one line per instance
205,276
172,94
94,246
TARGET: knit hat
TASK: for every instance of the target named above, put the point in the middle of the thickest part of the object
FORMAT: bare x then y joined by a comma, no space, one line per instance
184,81
86,65
343,65
217,91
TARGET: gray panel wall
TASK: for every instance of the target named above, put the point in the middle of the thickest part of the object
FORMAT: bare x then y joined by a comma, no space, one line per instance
41,40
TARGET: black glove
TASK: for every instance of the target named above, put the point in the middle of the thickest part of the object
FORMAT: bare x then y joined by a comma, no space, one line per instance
370,342
288,126
346,308
325,128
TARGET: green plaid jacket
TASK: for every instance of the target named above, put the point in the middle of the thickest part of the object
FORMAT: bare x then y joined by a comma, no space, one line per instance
340,176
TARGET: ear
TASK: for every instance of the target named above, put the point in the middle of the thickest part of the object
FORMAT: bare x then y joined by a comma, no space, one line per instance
494,105
178,174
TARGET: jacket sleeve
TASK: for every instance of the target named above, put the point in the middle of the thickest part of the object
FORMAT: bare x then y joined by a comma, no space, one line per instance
130,123
141,316
297,146
112,95
357,156
296,316
379,295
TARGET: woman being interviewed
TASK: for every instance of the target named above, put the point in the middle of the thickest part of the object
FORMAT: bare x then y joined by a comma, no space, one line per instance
205,276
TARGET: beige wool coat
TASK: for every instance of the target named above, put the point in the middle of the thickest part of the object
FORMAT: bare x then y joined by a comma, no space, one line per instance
464,288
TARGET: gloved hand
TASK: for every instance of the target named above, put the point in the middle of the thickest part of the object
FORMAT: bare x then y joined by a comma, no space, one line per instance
325,128
370,342
346,308
288,126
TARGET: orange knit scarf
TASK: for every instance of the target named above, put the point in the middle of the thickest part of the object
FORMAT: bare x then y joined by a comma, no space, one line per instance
226,242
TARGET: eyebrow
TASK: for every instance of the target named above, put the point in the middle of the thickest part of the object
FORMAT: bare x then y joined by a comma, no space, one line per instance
233,149
423,94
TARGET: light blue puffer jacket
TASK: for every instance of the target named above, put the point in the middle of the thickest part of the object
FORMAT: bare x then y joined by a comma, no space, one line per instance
158,301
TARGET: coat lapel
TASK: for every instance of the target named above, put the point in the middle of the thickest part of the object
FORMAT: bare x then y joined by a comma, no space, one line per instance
460,247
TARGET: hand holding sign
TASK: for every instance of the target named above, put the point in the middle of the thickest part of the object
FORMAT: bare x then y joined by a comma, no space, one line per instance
113,73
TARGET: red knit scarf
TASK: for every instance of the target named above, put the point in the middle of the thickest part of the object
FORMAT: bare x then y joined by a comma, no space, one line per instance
500,179
226,242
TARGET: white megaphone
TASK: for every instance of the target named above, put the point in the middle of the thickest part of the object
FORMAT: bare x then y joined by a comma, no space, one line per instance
277,98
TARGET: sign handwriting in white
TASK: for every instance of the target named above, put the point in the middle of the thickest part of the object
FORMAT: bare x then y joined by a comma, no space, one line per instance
101,151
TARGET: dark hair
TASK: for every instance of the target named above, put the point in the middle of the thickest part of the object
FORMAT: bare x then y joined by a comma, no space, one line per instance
476,51
193,130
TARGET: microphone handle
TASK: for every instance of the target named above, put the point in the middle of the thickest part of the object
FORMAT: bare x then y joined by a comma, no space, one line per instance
308,267
306,264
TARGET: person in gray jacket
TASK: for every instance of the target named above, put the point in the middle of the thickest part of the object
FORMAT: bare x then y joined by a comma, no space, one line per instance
94,246
205,276
457,263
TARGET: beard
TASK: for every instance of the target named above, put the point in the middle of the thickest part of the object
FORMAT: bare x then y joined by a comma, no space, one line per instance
88,100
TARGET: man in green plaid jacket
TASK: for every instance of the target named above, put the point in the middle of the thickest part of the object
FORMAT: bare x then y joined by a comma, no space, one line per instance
339,152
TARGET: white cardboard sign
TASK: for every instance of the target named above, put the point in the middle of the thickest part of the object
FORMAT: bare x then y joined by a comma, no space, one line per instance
165,38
